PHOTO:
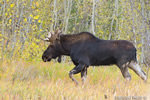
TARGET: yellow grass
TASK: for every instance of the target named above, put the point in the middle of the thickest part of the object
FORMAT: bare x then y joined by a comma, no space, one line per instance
21,80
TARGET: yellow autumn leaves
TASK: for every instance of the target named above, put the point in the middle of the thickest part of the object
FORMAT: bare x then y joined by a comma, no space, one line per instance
12,5
35,18
8,10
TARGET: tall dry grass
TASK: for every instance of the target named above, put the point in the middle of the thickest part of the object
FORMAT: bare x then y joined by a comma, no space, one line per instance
21,80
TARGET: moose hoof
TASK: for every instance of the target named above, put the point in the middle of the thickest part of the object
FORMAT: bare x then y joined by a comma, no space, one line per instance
128,78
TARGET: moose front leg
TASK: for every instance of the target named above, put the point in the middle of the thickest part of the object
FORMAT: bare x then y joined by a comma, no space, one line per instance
84,74
76,70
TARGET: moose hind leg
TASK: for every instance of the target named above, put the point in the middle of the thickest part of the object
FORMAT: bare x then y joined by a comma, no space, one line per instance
125,72
136,68
84,74
76,70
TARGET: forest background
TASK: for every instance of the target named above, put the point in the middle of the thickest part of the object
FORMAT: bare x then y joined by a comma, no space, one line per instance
24,22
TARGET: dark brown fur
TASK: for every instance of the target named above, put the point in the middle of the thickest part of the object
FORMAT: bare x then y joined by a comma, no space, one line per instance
85,49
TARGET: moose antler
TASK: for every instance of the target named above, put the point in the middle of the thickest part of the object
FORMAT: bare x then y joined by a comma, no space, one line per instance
52,36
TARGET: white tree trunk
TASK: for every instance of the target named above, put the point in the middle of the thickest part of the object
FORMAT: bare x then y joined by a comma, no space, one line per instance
3,28
67,8
143,32
133,20
93,18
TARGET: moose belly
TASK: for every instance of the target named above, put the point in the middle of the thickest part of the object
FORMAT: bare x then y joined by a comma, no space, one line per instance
103,61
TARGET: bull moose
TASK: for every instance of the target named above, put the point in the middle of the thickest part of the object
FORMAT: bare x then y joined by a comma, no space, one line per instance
86,50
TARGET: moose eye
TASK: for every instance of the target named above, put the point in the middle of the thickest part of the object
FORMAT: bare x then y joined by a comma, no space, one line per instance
52,46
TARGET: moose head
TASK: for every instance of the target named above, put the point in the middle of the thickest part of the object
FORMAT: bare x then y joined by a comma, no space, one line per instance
51,51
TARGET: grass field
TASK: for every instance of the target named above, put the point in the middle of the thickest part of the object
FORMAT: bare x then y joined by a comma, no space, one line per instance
22,80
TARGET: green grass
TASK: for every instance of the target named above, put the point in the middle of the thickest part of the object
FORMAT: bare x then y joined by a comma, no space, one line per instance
21,80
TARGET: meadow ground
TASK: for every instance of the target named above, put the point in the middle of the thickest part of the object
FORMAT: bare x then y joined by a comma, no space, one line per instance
22,80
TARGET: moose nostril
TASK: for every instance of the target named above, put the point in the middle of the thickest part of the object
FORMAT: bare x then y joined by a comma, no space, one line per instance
44,59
